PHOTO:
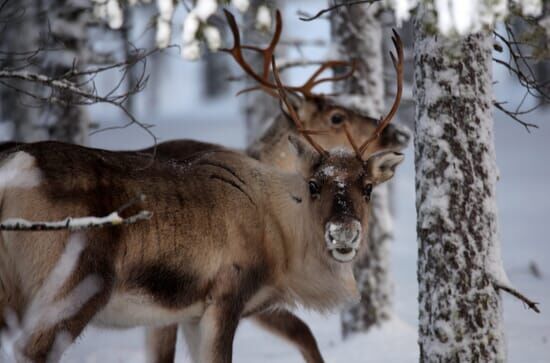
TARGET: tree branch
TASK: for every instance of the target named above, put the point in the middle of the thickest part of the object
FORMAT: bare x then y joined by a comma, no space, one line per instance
334,7
531,304
514,115
80,223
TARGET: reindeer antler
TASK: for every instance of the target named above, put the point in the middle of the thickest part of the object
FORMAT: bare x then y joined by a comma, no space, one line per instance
267,54
292,112
236,50
312,81
398,65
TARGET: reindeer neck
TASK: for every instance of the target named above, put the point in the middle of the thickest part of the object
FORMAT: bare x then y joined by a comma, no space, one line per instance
306,274
272,146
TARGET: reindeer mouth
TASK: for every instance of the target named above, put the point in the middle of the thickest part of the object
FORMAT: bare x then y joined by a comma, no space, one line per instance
342,240
343,254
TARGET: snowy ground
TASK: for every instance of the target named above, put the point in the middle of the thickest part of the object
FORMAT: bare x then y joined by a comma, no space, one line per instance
524,203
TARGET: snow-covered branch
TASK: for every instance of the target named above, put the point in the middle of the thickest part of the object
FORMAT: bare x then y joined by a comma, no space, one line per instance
452,17
76,224
196,25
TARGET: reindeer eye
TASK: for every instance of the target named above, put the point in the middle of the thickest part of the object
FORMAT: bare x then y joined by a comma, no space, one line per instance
367,191
337,119
314,189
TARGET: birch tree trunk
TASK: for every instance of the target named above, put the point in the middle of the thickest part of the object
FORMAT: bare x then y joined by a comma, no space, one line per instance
459,253
357,34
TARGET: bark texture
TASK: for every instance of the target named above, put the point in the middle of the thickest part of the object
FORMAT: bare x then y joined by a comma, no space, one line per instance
458,253
57,43
357,34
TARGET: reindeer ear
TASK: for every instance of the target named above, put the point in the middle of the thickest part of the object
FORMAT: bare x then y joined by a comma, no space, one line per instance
381,165
306,154
295,101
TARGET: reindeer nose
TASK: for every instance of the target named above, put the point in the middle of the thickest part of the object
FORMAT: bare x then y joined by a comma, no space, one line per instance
343,234
395,136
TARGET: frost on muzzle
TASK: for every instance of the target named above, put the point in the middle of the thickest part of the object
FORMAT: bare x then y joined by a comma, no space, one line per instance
343,239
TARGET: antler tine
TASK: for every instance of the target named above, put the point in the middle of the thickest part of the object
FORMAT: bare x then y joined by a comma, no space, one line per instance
312,81
292,112
268,52
351,141
398,65
236,50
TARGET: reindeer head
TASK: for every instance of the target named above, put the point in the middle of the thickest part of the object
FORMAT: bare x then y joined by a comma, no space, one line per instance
341,182
321,114
340,185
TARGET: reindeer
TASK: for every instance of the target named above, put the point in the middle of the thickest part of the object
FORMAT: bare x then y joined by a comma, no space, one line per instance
317,112
229,236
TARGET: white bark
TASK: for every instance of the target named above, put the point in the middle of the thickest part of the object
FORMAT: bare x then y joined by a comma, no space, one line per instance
459,254
357,34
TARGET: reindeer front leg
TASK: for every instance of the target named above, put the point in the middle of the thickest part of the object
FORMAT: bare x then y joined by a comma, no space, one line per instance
226,301
217,331
161,344
290,327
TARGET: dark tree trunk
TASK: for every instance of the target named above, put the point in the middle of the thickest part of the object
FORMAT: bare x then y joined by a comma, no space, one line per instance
357,34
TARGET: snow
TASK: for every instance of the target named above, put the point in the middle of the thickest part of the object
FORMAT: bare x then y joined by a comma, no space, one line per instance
464,16
263,18
241,5
164,26
213,37
205,8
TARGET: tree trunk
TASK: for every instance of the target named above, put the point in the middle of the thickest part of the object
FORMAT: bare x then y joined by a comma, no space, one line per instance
357,34
459,253
258,107
55,24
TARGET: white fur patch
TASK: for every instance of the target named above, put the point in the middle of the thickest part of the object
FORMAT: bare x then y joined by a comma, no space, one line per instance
20,171
126,310
343,257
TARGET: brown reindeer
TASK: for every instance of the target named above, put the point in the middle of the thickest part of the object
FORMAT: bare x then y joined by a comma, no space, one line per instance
229,237
317,112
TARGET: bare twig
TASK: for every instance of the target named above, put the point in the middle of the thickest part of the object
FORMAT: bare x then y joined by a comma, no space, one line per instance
514,115
531,304
334,7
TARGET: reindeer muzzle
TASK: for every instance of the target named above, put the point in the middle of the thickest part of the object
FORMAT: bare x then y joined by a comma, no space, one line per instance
343,239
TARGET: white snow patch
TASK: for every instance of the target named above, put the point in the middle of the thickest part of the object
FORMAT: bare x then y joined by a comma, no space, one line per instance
241,5
392,341
263,18
205,8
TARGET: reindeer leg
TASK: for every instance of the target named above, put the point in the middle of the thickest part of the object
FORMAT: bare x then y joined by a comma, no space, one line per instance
192,334
161,344
217,331
291,328
49,328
